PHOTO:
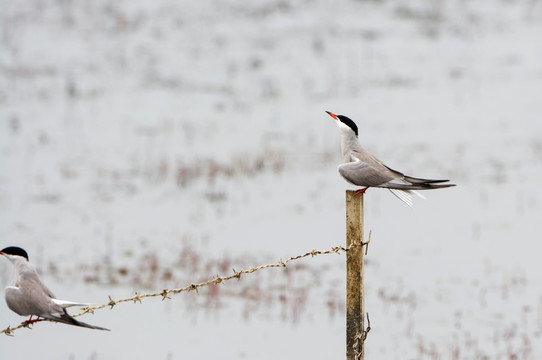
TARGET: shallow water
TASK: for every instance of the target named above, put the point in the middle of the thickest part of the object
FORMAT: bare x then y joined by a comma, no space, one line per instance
146,146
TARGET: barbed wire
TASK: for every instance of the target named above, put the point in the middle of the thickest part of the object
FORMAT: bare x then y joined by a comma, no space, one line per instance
193,287
360,340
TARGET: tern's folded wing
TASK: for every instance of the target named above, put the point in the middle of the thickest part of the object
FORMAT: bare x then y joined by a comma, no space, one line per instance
362,174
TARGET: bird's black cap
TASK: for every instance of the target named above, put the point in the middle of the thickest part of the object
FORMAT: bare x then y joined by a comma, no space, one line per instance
349,122
14,250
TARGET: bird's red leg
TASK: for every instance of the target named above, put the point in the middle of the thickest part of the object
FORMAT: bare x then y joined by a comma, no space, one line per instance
30,321
362,191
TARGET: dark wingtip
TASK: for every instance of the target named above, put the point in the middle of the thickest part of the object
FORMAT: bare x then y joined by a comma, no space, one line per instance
70,320
423,181
438,181
440,186
99,328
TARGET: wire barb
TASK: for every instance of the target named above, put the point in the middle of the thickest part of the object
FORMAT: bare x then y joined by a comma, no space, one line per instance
194,287
87,310
9,331
111,302
237,274
137,298
164,293
366,244
360,340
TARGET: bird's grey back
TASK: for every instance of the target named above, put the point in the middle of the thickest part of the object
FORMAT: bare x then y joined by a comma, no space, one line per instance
30,295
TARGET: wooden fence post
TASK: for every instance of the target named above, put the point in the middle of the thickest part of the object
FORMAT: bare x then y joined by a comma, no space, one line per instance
355,326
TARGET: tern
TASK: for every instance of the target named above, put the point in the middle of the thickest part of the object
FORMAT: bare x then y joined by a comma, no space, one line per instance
363,169
31,297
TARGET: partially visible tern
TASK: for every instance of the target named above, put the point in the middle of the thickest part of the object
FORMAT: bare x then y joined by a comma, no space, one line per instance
31,297
363,169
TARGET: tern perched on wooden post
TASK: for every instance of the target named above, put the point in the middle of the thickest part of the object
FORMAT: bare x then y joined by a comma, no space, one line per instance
363,169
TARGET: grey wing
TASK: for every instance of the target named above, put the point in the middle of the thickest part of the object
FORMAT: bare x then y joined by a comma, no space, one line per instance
46,290
22,303
35,296
29,279
363,174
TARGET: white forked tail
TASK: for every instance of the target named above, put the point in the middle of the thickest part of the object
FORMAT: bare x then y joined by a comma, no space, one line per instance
65,304
406,195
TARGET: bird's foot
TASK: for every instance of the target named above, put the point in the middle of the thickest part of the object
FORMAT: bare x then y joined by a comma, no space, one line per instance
30,321
362,191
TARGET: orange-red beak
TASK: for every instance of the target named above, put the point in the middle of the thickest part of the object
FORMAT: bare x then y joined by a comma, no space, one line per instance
332,115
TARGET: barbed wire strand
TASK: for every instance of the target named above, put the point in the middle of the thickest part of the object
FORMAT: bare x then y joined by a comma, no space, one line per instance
360,340
192,287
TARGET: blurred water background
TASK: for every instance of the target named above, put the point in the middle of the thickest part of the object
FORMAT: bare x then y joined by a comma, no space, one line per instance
149,145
